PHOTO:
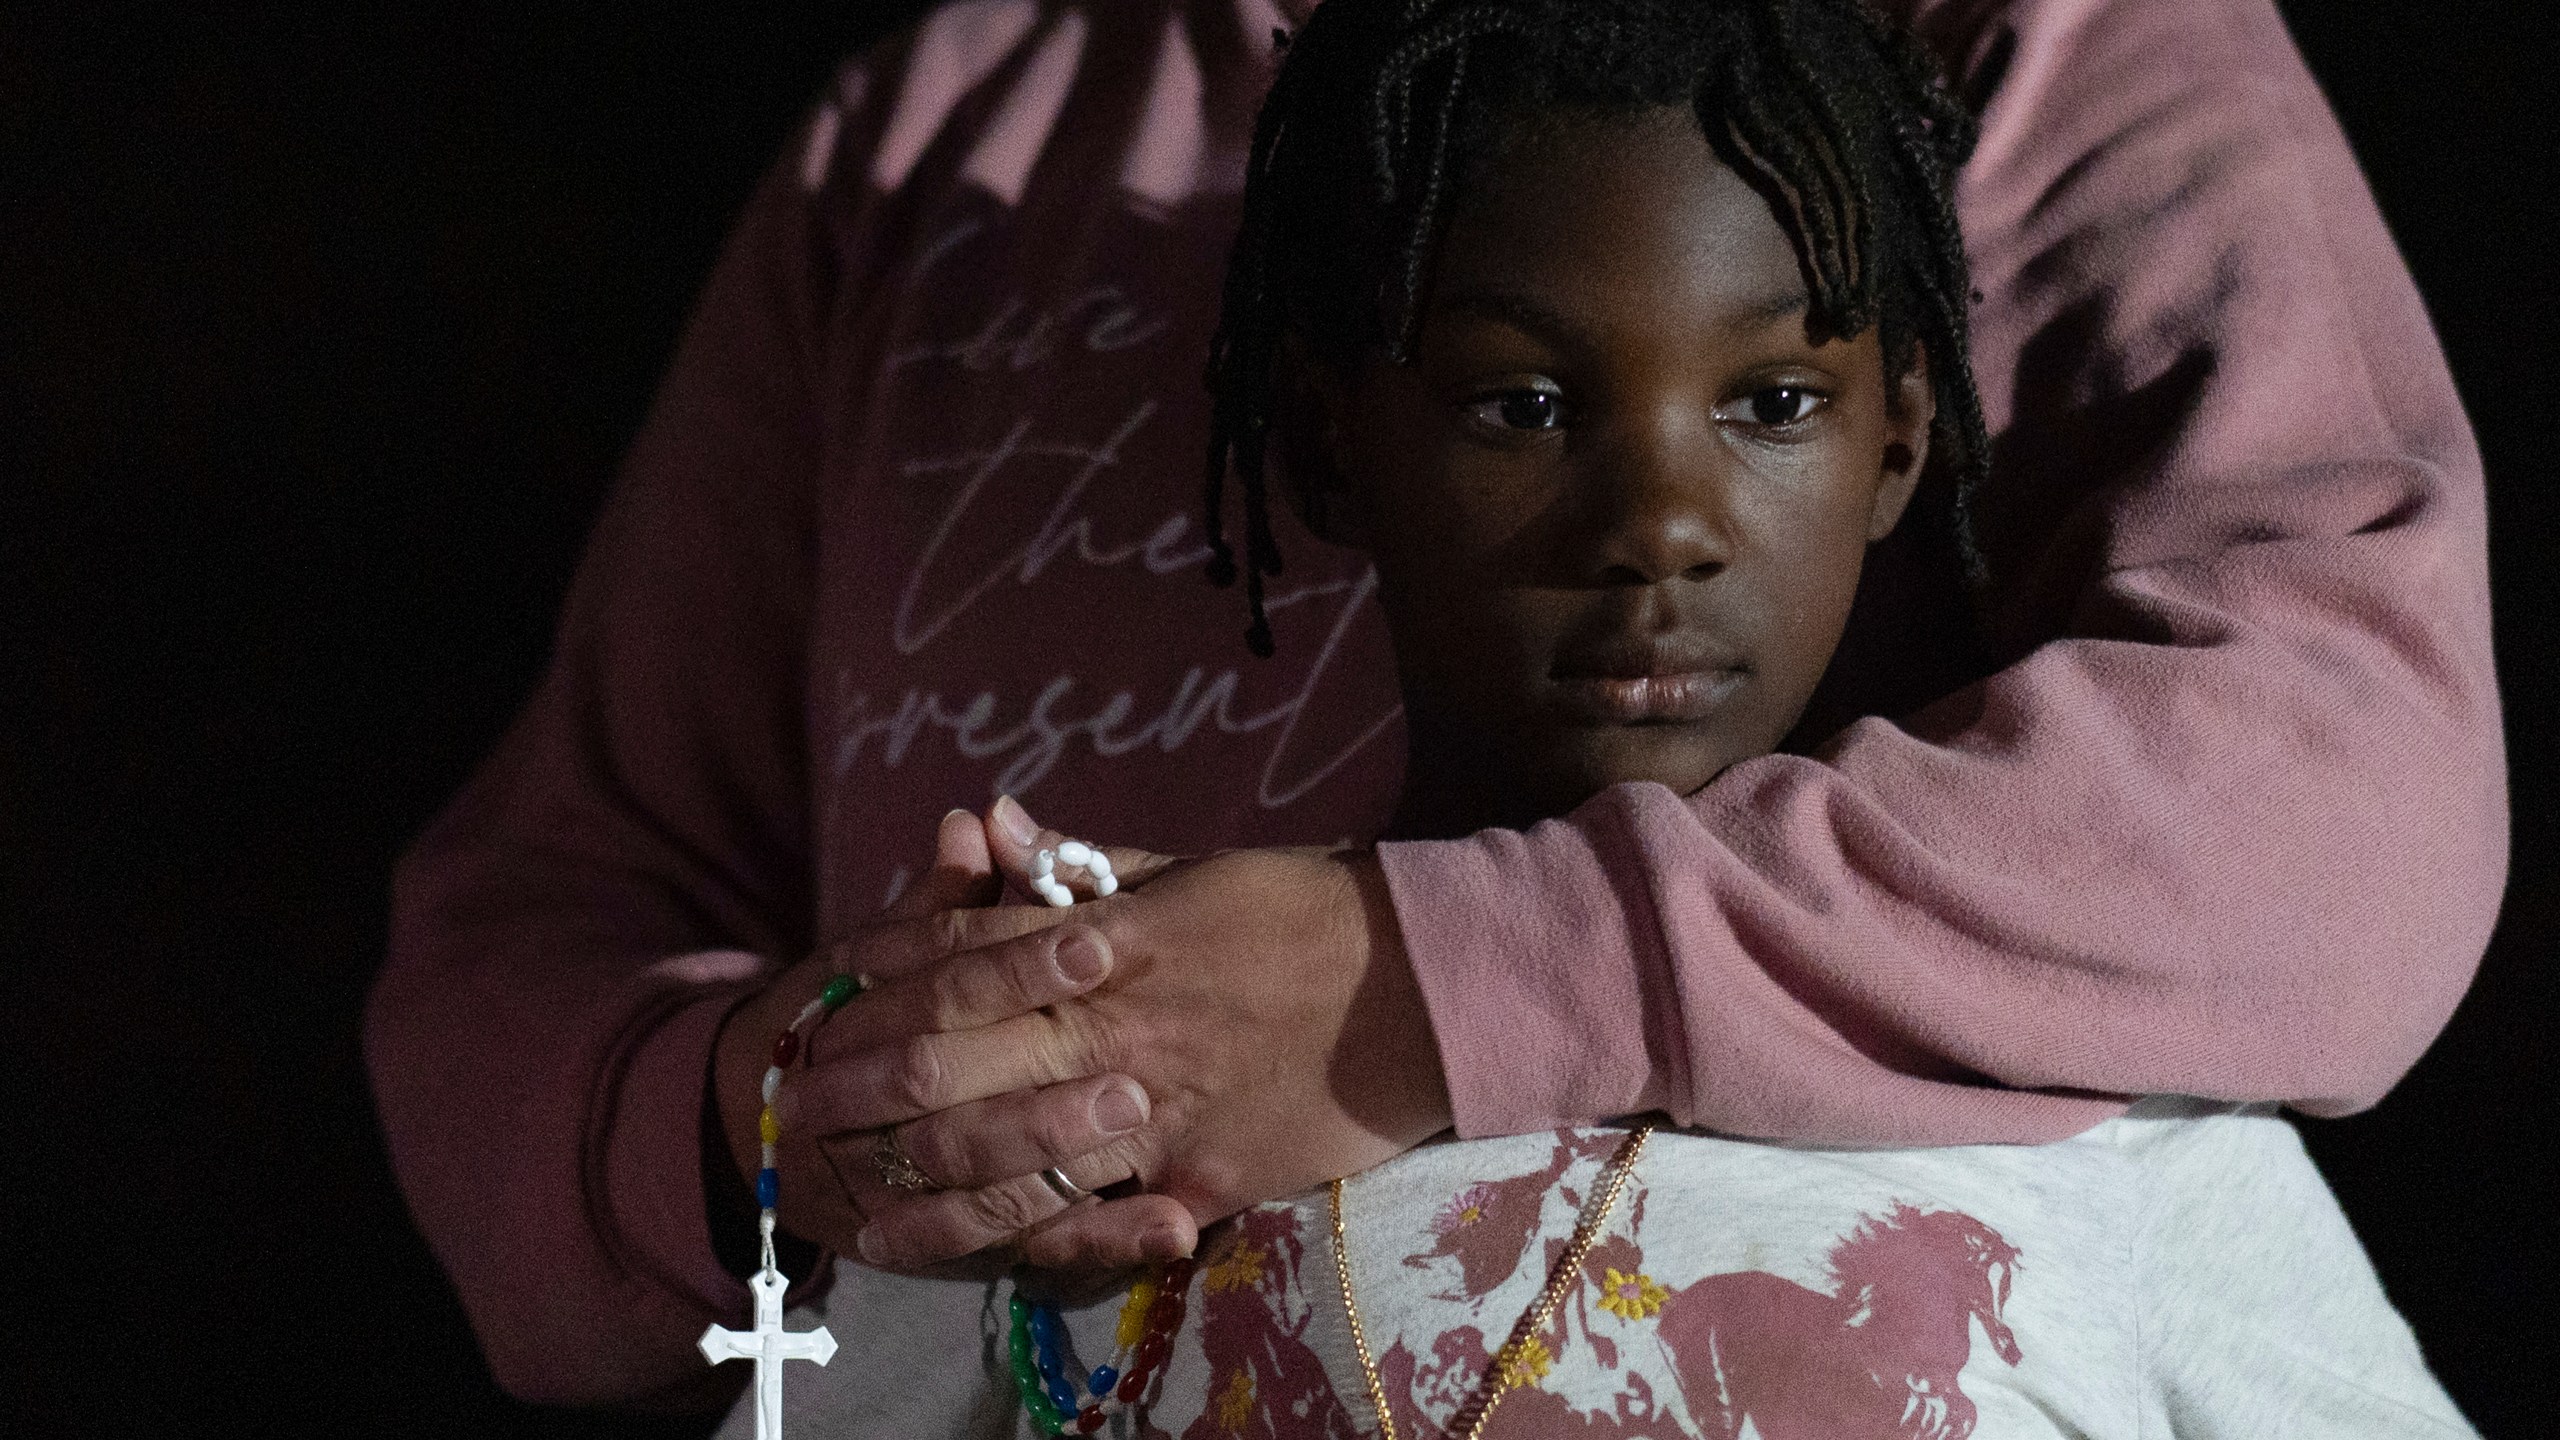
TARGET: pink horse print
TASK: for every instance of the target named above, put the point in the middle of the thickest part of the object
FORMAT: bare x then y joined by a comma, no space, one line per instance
1877,1359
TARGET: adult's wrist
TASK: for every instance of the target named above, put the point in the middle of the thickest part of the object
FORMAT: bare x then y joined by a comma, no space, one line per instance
644,1151
1390,1050
1540,970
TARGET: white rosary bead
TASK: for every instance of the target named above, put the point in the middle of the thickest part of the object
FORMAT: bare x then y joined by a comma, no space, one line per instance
1075,854
772,1082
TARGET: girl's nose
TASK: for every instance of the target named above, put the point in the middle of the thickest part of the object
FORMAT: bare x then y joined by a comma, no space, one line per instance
1657,509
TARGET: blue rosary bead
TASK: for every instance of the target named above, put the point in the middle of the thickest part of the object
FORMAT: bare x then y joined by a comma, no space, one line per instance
768,1187
1104,1377
1047,1330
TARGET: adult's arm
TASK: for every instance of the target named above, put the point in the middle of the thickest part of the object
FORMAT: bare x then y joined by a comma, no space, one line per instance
569,934
2232,822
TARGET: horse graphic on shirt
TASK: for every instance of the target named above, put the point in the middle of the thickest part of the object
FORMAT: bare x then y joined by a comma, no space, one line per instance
1878,1357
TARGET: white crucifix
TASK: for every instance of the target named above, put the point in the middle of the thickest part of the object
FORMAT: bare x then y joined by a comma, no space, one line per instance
768,1345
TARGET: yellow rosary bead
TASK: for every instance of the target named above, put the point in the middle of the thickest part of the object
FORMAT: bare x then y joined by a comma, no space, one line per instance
1133,1313
768,1127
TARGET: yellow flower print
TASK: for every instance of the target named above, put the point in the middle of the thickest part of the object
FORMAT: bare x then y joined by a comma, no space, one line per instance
1236,1406
1238,1269
1631,1297
1526,1363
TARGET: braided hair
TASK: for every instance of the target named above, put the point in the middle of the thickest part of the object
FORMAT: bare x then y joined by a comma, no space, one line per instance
1384,109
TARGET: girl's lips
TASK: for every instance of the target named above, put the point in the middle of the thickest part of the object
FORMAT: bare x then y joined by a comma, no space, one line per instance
1648,699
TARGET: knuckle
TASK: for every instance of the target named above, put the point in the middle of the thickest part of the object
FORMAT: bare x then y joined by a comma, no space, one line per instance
1089,1040
947,999
1133,1155
1062,1128
1046,1251
1005,1208
1027,971
1063,1245
917,1074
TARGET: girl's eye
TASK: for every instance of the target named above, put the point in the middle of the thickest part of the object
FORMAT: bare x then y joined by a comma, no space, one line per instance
1779,406
1521,410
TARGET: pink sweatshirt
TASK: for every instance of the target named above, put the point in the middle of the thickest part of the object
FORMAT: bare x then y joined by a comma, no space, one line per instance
913,522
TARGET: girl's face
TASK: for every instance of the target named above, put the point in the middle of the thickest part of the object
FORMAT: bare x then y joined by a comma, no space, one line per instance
1619,503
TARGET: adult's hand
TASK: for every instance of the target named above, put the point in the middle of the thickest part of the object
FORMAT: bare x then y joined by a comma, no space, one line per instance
1262,999
953,1016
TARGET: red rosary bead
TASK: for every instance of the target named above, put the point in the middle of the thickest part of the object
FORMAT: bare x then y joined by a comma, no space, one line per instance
784,1047
1132,1385
1090,1420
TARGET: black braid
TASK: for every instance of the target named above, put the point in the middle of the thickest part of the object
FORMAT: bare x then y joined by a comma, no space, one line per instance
1840,121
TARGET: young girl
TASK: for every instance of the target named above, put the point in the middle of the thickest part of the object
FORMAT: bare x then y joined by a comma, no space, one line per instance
1616,334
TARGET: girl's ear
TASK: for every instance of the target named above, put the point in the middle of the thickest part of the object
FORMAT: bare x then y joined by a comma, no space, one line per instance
1910,408
1311,406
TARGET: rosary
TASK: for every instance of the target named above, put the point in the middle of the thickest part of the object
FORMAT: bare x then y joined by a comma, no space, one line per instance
1036,1344
1143,1340
768,1344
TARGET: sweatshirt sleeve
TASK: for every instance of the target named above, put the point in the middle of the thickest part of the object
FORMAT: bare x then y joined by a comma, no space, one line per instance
568,934
2230,820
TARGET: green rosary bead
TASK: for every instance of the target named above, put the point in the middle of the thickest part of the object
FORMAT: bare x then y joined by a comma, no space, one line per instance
838,991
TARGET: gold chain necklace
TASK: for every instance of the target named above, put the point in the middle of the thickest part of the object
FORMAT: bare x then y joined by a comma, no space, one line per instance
1504,1370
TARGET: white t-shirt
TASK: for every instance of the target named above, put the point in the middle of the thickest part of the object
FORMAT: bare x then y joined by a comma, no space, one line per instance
2180,1271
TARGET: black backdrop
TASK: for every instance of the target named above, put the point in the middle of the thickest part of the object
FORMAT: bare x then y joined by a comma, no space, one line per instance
320,335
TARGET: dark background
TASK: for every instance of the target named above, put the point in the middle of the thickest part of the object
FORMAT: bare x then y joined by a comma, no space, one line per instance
320,337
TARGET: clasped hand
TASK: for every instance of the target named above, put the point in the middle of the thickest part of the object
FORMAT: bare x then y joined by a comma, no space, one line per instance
1226,1030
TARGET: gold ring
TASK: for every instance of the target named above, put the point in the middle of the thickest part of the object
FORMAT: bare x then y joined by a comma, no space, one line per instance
894,1168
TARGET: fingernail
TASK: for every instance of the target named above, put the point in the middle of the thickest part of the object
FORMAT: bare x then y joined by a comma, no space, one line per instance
867,1245
1119,1110
1164,1242
1080,958
1015,820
